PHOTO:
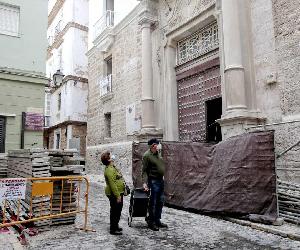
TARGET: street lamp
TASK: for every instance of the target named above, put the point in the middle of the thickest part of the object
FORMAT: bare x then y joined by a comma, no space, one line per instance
58,78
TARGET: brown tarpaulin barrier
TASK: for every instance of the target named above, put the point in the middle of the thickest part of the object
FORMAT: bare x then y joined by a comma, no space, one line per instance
236,176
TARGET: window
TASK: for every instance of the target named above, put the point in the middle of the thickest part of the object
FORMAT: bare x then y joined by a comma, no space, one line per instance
9,19
2,134
57,140
59,102
107,131
106,81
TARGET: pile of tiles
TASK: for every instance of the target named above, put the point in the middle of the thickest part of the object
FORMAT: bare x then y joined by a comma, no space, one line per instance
47,163
65,163
27,163
3,166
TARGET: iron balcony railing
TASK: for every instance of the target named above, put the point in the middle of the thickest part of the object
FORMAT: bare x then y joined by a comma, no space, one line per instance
106,21
105,85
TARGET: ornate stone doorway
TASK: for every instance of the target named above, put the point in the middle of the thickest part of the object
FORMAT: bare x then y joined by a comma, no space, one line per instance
199,102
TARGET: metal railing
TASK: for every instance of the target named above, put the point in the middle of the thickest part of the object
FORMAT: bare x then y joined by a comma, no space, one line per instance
105,85
107,20
57,197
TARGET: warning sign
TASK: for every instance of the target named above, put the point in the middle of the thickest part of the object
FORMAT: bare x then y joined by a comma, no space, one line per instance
12,189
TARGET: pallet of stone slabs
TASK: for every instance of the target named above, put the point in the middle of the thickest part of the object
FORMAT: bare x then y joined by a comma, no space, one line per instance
20,153
41,160
66,220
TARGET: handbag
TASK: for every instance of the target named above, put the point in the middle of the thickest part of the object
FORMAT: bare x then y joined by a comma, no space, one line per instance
127,189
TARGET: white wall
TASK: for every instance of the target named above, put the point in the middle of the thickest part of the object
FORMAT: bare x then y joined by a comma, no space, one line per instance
74,46
97,9
73,103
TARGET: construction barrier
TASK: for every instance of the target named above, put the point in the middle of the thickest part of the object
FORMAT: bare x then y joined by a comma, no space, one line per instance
32,200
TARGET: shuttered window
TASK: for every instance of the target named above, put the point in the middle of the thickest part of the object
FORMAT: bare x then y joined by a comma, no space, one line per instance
2,134
9,19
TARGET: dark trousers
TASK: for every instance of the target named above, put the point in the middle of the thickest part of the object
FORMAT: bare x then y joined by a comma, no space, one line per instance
156,201
115,212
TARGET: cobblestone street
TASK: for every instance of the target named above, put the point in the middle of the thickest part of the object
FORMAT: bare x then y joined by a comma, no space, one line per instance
186,231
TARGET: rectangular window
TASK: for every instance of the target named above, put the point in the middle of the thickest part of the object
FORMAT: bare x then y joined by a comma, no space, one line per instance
107,117
57,141
9,19
59,102
2,134
106,81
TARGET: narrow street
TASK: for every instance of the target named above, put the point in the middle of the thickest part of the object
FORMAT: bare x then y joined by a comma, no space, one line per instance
186,231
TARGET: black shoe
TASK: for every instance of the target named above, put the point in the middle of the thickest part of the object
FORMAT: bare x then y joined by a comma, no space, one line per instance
163,225
153,227
119,229
115,232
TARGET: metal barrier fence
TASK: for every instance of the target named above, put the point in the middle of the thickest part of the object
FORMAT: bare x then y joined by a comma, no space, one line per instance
46,198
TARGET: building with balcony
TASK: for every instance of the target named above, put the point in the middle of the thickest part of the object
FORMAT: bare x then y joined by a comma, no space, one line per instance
66,109
23,45
198,71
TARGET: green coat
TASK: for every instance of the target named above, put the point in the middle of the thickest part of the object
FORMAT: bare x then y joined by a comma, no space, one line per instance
114,181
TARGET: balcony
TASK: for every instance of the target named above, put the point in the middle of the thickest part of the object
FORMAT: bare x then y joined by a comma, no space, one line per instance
106,21
105,85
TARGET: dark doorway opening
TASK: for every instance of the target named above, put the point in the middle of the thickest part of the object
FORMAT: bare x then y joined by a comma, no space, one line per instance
213,112
2,134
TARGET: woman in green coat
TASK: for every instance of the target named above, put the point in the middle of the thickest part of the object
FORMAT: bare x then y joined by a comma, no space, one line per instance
114,190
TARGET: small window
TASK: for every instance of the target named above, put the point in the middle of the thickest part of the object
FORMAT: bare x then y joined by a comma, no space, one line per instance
57,141
9,19
106,81
107,131
59,102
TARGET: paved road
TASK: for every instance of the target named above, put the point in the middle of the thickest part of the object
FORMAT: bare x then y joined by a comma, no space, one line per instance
186,231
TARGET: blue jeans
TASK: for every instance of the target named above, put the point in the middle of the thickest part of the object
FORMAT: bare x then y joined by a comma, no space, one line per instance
156,200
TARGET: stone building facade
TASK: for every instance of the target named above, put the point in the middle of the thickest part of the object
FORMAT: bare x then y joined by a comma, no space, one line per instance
198,71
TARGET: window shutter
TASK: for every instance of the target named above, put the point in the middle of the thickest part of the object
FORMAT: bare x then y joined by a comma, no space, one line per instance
9,19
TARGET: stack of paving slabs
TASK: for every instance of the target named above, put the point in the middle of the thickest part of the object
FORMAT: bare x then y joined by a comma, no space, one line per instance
289,201
3,165
65,163
28,163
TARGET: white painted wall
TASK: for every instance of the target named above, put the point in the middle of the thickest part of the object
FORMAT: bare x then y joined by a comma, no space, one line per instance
73,62
74,46
97,9
73,103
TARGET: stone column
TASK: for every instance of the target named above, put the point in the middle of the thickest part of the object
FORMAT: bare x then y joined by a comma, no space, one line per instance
170,94
238,90
148,118
234,72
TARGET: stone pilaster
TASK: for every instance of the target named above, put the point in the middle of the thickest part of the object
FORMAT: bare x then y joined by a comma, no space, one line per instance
146,20
238,90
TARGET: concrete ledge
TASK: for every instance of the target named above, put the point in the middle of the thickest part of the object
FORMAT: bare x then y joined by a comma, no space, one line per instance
277,230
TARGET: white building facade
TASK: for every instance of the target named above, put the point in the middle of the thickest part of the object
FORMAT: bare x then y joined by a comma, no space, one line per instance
68,22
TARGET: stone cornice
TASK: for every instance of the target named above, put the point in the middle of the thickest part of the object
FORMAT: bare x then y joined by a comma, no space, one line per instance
69,78
59,38
24,73
147,18
55,10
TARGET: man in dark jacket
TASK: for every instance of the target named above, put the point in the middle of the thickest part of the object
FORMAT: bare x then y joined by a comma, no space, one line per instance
153,178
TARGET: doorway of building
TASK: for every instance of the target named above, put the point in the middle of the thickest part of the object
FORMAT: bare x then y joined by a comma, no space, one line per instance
2,134
213,113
